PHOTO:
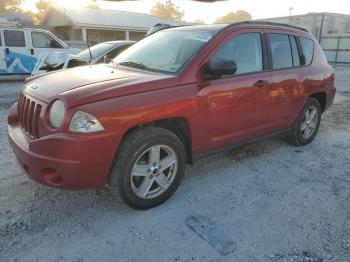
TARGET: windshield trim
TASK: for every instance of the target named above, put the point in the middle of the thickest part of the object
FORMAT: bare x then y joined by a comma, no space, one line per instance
147,69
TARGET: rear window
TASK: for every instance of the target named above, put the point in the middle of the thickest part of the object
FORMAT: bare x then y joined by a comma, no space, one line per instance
14,38
307,45
280,51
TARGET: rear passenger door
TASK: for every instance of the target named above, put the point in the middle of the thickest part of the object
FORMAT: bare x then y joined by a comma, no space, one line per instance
286,75
17,54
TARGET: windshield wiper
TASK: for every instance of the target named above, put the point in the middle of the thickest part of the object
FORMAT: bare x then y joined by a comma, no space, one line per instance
135,65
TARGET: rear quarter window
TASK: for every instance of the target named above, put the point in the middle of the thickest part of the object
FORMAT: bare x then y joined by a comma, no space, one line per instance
307,46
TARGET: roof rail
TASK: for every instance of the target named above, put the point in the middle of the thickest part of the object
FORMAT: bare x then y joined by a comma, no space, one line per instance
269,23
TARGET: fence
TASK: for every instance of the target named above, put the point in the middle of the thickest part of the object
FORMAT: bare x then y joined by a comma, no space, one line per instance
336,48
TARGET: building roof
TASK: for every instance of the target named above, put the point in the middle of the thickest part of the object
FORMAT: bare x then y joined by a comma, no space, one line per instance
16,17
308,14
104,18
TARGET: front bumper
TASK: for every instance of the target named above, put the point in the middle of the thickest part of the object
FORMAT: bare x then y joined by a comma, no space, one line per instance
63,160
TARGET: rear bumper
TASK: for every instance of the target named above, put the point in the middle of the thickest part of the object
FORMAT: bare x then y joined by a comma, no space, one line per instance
62,160
330,97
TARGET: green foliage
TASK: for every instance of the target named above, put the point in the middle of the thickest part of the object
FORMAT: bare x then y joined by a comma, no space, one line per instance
168,10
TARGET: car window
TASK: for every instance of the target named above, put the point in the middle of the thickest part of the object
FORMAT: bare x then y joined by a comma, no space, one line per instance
295,53
113,53
14,38
43,40
280,51
245,50
307,45
0,39
95,51
164,51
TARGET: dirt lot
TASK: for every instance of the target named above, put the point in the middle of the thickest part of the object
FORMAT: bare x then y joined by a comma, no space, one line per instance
269,202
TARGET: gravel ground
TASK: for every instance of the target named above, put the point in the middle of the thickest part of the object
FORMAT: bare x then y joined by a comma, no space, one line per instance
268,202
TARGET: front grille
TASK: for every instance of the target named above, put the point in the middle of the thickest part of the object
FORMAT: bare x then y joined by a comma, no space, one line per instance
29,115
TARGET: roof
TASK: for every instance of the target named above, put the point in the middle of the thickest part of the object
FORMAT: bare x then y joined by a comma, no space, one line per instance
105,18
16,17
219,27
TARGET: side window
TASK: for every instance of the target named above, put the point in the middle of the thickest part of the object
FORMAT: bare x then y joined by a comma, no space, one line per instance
295,53
112,54
0,39
280,51
14,38
307,46
43,40
245,50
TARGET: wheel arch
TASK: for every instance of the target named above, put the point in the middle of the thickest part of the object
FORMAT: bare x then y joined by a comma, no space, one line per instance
178,125
322,99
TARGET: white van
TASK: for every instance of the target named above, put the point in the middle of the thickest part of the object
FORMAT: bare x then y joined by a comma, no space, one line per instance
21,47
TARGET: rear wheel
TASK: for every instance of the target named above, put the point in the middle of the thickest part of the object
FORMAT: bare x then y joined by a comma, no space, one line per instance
308,122
149,167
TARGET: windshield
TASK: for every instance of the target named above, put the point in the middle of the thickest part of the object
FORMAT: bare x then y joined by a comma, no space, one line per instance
165,51
96,51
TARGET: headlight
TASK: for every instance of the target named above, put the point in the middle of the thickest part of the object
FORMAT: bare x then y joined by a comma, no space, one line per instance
84,122
57,112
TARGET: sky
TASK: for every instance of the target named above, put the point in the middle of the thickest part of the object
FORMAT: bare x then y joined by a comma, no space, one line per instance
210,11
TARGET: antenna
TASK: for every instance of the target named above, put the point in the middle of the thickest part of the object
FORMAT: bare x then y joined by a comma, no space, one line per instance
88,44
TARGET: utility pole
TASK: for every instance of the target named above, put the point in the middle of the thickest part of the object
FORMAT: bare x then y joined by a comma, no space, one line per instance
321,29
290,11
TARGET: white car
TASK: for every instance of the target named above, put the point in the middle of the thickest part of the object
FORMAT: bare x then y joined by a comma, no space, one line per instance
100,53
21,47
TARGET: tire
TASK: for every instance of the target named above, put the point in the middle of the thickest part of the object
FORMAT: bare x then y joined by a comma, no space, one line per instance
139,183
304,126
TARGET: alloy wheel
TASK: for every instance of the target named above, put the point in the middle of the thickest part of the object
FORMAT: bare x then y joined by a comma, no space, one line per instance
154,171
309,122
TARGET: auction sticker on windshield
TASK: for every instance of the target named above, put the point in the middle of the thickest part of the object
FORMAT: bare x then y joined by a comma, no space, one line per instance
204,37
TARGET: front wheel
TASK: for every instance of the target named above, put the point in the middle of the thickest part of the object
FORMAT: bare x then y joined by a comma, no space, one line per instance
308,122
149,167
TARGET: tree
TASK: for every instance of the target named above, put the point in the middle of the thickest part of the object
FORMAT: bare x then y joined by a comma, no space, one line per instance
234,17
42,6
168,10
10,5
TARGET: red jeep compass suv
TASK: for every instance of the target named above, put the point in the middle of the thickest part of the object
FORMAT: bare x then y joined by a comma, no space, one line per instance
175,95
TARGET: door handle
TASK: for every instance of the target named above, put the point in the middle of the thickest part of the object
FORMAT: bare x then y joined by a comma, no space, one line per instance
7,51
261,83
32,51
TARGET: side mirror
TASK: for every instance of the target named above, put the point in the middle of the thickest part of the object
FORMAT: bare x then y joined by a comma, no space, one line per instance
218,68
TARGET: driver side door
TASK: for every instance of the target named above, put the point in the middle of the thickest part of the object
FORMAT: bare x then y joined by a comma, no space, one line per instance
236,106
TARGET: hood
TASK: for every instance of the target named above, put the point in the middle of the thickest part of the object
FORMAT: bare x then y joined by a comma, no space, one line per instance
81,85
